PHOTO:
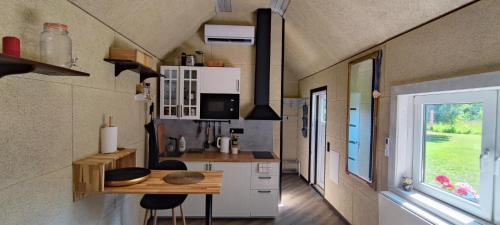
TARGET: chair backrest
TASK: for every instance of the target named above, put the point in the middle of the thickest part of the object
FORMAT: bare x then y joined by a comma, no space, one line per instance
171,165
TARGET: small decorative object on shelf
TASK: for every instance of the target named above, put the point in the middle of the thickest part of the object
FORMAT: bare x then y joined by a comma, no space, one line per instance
199,58
132,55
407,184
56,46
11,46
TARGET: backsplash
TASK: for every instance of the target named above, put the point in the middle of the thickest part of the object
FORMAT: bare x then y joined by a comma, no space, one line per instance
257,136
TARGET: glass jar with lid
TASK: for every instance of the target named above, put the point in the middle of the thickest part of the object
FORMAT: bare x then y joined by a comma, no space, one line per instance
55,45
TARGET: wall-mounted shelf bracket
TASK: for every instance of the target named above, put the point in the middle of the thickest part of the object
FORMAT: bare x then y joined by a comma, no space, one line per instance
122,65
10,65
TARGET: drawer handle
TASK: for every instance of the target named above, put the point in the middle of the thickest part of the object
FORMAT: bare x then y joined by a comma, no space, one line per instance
264,191
265,178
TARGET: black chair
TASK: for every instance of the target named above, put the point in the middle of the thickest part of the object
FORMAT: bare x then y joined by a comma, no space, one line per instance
152,202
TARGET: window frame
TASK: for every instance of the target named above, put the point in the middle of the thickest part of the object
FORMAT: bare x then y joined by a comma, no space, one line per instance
400,159
489,99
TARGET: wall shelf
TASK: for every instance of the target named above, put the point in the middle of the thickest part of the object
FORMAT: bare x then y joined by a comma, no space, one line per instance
122,65
88,173
12,65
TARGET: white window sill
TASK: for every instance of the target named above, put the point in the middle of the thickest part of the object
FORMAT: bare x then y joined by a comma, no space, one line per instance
432,210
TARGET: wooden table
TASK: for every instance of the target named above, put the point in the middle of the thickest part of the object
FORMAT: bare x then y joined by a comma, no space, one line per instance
156,185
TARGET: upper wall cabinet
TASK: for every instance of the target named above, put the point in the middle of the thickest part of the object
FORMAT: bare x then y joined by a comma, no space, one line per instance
169,94
220,80
180,88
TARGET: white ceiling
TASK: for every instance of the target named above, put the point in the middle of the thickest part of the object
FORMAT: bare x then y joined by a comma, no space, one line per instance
319,33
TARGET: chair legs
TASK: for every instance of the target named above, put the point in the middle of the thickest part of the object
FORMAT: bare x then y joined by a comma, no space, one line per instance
155,217
174,218
146,217
182,214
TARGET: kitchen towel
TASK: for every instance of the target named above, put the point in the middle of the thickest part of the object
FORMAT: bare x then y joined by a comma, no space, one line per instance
109,139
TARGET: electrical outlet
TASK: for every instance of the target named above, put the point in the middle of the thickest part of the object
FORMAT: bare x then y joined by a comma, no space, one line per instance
236,130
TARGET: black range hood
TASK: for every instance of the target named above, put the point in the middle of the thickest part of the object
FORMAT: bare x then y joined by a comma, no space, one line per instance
262,110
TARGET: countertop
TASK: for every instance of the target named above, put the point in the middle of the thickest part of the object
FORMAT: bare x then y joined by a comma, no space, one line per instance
215,156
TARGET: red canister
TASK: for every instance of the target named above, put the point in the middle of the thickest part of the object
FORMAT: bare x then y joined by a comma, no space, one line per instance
11,46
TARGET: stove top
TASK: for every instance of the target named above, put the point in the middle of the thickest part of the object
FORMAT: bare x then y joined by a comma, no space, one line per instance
263,155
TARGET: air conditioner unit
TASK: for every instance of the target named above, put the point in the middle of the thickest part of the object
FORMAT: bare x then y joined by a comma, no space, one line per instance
229,34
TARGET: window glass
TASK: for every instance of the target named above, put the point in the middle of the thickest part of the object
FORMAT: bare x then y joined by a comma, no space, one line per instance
452,148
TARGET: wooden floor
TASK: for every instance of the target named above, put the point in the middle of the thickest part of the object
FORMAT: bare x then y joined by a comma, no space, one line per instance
301,206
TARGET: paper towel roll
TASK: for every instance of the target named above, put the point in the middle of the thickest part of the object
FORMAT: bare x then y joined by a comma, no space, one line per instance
109,139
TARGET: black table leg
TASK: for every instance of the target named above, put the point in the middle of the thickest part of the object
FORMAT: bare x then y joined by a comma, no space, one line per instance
208,210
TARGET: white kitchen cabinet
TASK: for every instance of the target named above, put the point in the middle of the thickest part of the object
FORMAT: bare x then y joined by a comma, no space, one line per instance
180,92
247,191
264,203
169,94
181,86
190,93
234,200
265,168
217,80
264,182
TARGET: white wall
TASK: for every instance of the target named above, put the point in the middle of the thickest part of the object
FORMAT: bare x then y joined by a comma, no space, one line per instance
462,43
47,122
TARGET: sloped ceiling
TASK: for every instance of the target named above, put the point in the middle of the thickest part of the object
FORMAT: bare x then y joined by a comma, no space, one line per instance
319,33
157,25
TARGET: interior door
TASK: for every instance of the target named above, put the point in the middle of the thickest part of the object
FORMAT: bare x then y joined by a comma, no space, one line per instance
318,138
321,141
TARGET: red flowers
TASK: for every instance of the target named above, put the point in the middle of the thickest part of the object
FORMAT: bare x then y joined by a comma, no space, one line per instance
442,179
462,189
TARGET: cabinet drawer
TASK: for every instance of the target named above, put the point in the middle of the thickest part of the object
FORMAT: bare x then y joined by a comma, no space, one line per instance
259,168
265,182
264,203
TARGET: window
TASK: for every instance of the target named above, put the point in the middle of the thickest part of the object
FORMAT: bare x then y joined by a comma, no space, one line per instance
453,149
445,134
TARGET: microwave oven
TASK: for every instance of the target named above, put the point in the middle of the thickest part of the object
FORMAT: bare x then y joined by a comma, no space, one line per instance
219,106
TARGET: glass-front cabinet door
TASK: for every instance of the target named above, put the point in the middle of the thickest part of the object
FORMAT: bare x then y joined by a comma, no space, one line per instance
189,93
169,96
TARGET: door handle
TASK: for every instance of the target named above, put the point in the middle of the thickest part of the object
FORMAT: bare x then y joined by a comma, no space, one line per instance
265,178
237,85
264,191
497,166
485,160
